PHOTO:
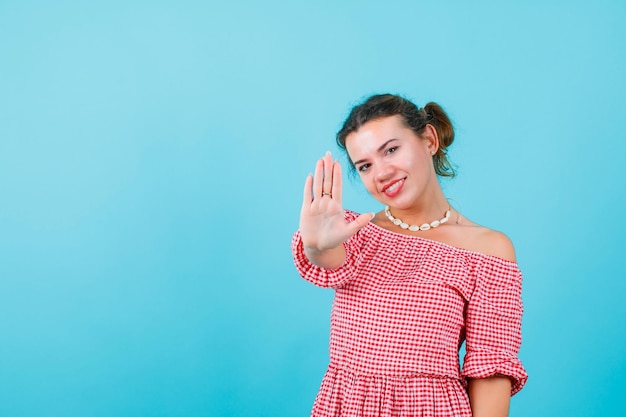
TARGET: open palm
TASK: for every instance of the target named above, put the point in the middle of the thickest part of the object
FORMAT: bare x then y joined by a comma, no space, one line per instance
322,223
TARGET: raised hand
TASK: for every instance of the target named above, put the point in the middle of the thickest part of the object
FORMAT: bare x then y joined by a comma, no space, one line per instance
322,224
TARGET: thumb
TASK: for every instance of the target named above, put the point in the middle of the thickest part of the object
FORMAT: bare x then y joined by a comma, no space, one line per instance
360,222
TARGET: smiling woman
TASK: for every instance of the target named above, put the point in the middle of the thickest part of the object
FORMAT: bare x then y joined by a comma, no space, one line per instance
413,281
416,119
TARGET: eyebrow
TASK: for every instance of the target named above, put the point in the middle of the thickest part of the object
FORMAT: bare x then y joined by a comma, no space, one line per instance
380,148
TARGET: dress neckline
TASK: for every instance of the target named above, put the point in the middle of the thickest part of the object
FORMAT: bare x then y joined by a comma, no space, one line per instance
442,244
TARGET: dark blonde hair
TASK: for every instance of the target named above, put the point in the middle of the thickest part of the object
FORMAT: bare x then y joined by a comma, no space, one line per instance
416,119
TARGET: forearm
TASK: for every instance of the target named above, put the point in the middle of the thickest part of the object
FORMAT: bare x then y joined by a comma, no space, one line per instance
328,258
490,397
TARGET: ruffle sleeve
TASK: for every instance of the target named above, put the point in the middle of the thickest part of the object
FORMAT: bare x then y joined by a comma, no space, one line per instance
493,323
323,277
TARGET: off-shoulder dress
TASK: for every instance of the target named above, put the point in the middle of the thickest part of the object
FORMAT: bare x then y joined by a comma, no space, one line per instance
402,308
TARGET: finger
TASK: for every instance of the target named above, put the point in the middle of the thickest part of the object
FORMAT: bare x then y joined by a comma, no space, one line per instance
336,189
307,195
328,173
318,178
360,222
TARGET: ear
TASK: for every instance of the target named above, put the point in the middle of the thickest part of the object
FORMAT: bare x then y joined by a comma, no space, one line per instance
431,139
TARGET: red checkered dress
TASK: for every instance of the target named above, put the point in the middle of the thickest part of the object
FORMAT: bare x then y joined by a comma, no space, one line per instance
403,305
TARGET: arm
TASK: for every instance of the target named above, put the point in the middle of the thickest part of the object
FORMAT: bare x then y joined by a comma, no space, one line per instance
493,334
327,258
490,397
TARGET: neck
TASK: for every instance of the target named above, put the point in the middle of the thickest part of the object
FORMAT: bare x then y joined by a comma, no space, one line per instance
417,227
427,209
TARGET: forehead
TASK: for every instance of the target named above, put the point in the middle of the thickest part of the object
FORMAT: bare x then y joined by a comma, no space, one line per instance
369,137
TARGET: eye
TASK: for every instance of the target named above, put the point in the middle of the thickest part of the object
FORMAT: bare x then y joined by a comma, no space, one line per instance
363,168
391,150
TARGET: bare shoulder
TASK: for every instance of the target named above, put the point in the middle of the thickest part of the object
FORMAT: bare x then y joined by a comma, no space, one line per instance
484,240
494,243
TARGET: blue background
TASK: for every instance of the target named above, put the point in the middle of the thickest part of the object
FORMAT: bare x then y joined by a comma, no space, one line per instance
152,158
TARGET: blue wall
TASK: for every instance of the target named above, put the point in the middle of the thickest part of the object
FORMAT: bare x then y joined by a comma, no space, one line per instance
152,157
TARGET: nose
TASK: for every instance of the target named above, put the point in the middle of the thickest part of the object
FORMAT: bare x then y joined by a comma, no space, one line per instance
383,172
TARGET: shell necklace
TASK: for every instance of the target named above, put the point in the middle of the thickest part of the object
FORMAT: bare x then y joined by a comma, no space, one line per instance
415,228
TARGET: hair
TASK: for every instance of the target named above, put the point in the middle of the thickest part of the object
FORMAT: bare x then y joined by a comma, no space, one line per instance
386,105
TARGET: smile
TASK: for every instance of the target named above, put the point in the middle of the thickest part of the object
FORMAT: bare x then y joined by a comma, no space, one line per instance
393,187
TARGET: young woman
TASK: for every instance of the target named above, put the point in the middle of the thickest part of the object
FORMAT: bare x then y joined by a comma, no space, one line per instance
413,281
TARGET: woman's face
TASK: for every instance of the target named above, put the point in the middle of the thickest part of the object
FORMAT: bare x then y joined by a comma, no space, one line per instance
394,163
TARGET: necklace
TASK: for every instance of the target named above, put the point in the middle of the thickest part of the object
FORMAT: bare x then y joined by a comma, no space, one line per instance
415,228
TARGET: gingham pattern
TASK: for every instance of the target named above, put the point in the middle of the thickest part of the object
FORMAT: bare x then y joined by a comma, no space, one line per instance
403,305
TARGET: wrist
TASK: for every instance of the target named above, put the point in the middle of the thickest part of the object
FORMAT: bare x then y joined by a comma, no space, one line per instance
331,258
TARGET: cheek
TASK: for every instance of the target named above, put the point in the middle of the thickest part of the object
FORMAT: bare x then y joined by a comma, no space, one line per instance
368,182
423,160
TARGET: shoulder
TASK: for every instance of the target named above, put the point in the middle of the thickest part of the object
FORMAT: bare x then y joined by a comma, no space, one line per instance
493,243
481,239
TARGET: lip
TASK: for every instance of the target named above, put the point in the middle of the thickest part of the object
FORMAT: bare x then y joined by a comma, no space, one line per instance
393,193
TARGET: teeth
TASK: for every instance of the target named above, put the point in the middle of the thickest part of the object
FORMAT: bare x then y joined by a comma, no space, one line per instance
394,186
